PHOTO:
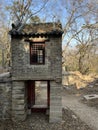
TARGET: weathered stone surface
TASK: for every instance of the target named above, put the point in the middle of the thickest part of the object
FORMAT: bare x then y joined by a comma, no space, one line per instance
5,96
21,68
55,102
19,101
13,95
91,99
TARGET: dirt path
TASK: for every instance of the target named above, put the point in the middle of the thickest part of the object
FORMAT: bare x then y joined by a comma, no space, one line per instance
87,114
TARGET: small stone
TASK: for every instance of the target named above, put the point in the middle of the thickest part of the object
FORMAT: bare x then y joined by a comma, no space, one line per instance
73,116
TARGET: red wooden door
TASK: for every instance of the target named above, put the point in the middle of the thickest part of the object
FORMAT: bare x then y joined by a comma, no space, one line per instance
48,94
31,93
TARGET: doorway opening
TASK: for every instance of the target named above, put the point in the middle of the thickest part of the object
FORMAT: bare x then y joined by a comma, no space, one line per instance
38,95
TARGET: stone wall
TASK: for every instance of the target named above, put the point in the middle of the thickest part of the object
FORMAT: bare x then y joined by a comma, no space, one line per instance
5,96
55,102
56,57
21,68
23,71
56,86
19,101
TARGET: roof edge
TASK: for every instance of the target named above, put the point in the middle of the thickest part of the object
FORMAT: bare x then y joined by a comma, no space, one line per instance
48,29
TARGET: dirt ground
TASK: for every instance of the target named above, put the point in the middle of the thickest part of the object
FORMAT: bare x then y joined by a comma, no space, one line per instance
70,121
73,98
74,83
91,88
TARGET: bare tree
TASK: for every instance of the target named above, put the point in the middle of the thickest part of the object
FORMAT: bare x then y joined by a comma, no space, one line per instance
22,10
73,14
82,57
79,12
5,46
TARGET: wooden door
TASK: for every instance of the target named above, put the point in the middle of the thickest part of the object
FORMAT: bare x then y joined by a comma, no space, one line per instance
31,93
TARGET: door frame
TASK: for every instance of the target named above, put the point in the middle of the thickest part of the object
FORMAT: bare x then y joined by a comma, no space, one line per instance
31,96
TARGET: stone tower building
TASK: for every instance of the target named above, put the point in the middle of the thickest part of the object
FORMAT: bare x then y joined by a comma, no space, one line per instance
36,72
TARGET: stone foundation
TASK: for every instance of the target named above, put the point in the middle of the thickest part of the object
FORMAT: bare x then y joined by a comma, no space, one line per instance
19,105
13,101
55,102
5,96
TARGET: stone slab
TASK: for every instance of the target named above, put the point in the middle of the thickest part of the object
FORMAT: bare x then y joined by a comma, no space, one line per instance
91,97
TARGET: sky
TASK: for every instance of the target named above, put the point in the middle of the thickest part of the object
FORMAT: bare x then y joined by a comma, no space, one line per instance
54,10
52,7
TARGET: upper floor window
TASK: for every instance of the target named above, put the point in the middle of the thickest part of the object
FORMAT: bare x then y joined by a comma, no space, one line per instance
37,53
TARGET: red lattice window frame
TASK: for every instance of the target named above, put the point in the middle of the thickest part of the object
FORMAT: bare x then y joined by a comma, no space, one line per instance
37,53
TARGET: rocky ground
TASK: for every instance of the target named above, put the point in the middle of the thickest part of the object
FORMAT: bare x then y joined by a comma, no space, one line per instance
40,122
